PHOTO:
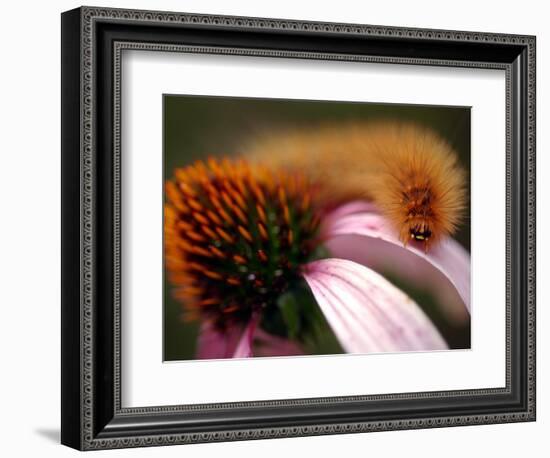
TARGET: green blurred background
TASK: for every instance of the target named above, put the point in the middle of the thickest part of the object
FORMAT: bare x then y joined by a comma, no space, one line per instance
200,126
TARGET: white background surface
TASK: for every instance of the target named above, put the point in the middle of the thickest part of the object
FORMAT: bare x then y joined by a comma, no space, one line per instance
147,76
30,241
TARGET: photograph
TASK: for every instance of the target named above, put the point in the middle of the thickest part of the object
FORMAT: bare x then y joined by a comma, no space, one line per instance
310,227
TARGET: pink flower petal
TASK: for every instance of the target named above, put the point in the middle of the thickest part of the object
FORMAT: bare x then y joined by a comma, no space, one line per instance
215,344
366,312
392,259
350,208
447,257
234,342
244,347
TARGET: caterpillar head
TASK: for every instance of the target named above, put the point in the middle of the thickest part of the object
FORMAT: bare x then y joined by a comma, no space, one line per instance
420,220
421,186
428,210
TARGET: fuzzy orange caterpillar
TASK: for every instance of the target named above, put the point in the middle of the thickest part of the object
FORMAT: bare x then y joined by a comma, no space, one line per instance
408,171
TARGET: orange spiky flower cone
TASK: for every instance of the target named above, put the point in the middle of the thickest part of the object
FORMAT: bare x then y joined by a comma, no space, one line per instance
235,236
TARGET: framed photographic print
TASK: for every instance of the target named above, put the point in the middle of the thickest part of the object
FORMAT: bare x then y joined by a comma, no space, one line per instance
276,228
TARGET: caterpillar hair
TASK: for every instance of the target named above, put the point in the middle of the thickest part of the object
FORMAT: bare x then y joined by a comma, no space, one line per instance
407,170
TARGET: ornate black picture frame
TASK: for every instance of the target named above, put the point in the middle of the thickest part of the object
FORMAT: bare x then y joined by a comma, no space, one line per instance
92,42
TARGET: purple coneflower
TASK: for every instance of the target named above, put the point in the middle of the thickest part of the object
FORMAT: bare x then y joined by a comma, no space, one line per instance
248,251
